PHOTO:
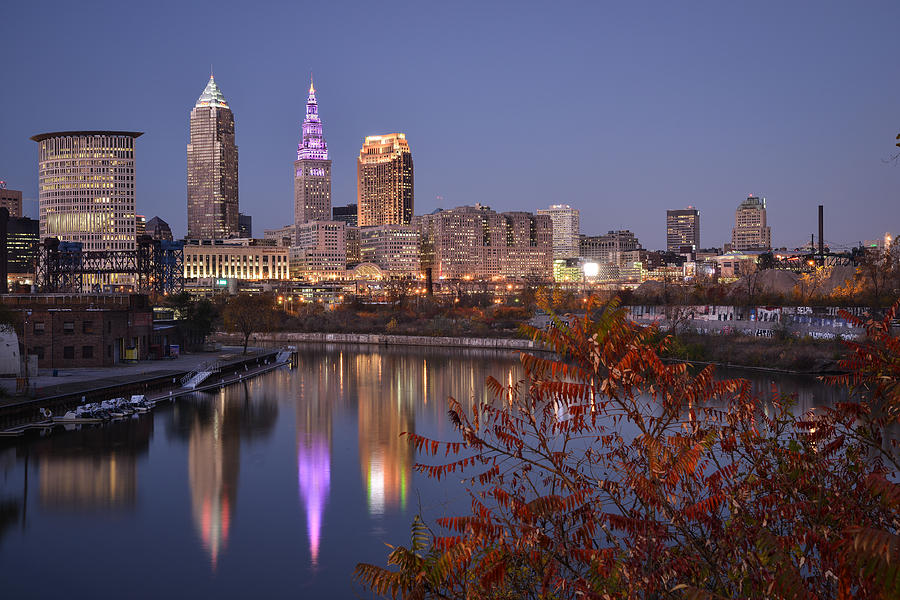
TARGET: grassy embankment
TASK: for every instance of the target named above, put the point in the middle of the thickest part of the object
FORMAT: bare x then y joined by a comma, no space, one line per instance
803,355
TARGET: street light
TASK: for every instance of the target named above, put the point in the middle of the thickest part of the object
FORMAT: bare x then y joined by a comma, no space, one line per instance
25,345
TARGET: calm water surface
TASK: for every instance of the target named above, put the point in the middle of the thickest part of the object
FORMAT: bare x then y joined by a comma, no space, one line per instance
276,487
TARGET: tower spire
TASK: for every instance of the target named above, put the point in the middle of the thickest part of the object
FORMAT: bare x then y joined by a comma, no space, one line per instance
312,143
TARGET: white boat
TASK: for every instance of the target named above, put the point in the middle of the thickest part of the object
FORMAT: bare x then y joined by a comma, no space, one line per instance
139,403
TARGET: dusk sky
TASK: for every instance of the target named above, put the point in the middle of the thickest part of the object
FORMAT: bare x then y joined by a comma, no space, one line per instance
621,110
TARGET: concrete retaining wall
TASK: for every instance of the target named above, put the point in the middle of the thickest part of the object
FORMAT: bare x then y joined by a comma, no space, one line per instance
383,339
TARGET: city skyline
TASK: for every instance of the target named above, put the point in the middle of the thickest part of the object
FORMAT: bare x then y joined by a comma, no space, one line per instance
694,110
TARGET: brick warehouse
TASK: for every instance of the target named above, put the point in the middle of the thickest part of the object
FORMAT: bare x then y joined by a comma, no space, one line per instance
82,330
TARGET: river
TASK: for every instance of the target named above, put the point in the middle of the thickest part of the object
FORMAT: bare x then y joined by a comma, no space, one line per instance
272,488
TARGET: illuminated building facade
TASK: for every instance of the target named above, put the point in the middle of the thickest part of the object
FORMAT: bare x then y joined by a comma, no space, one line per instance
566,229
140,225
609,248
615,256
21,236
476,242
246,260
682,229
11,200
321,250
354,256
312,169
212,168
750,229
86,188
394,248
384,181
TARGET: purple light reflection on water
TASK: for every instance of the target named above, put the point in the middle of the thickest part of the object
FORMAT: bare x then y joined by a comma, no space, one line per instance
314,477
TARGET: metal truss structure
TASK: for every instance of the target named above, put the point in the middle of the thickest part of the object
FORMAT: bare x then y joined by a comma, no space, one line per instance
807,263
157,266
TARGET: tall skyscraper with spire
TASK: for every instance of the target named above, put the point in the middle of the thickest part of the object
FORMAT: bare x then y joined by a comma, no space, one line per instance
212,168
312,169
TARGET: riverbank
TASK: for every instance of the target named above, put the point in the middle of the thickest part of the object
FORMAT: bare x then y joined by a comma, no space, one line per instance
379,339
791,355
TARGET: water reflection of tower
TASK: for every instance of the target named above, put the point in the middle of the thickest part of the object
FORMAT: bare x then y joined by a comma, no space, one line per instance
215,425
213,465
313,421
385,457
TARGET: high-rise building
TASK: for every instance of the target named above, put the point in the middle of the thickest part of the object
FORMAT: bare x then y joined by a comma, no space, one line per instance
384,181
312,169
320,251
159,229
394,248
348,214
609,248
566,229
245,226
750,229
212,168
682,229
21,238
354,252
140,225
86,188
476,242
11,200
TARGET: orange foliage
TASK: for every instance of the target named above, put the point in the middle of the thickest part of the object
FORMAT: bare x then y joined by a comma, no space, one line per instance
607,473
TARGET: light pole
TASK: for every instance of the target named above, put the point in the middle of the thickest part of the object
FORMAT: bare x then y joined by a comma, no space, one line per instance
25,345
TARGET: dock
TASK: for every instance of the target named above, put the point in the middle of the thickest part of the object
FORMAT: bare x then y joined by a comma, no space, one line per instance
19,416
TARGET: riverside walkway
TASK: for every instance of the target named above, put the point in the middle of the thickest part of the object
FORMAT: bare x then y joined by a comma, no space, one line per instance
71,385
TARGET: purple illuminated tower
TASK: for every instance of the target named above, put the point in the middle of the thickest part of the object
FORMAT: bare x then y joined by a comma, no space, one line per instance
312,170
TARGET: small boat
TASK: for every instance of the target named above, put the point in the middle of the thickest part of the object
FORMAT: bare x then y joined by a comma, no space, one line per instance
139,404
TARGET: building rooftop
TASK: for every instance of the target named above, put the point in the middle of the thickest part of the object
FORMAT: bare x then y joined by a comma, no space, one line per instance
212,96
43,136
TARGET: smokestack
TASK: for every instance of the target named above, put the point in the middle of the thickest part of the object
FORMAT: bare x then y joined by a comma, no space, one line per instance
821,230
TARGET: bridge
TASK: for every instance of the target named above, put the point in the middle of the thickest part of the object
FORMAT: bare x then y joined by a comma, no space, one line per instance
157,266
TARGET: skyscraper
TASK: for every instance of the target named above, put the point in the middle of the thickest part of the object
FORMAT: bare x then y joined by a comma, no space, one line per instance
750,229
566,228
384,181
682,229
312,169
86,188
212,168
11,200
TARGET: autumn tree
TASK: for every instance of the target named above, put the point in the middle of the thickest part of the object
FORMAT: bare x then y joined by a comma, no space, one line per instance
248,314
195,317
607,473
878,269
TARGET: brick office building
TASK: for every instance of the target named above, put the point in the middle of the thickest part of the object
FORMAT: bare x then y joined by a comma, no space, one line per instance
82,330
